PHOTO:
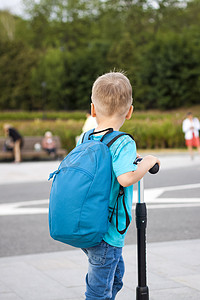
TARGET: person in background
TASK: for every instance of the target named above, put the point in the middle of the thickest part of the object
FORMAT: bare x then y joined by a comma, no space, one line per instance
14,143
191,127
48,143
90,123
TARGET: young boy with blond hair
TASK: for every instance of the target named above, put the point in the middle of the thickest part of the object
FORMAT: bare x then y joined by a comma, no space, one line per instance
112,105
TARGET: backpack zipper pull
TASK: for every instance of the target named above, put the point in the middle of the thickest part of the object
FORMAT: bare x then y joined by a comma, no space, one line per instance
52,174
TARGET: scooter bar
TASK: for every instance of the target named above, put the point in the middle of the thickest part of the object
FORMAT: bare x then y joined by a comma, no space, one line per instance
153,170
142,290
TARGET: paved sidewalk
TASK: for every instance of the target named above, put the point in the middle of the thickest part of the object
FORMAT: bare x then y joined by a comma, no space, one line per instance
173,274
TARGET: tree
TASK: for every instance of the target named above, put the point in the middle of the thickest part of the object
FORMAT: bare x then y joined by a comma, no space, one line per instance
16,62
52,57
169,73
48,81
7,26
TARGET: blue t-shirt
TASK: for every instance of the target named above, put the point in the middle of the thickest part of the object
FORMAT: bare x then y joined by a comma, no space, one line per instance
123,152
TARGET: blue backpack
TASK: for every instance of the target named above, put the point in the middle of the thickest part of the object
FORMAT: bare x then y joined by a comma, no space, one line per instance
80,193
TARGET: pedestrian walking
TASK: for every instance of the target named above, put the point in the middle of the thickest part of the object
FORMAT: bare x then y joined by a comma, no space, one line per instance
14,141
191,127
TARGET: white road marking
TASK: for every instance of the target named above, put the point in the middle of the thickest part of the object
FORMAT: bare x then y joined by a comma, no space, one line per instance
151,197
17,208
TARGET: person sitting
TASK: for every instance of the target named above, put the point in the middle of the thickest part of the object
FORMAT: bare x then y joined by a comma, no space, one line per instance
48,144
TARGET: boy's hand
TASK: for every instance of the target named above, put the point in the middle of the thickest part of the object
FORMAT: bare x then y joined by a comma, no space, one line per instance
152,160
144,166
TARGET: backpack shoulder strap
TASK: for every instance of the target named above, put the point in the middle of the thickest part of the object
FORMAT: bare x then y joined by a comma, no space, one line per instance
89,133
108,138
86,135
113,137
118,135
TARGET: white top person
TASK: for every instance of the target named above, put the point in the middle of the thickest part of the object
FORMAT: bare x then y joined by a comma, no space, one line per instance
191,127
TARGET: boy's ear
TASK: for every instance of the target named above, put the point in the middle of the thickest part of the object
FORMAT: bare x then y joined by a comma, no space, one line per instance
93,112
129,114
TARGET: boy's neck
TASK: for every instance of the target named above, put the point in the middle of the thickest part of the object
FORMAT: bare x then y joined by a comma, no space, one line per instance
115,123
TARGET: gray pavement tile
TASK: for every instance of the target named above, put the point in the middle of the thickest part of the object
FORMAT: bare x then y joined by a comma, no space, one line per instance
126,294
164,267
52,262
29,283
174,259
156,282
178,251
4,288
73,293
9,296
66,277
174,294
75,259
80,298
191,281
62,267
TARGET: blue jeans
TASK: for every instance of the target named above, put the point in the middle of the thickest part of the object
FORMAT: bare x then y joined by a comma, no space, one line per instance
105,272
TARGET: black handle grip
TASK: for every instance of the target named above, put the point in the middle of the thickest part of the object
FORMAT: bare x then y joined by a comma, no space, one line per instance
153,170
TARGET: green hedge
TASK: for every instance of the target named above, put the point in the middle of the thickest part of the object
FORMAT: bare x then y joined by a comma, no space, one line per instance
148,134
49,115
151,129
155,134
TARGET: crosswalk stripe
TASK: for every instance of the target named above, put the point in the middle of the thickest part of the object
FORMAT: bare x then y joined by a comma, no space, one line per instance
153,199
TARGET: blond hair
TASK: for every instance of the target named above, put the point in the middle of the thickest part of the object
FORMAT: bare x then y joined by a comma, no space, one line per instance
48,134
6,126
112,94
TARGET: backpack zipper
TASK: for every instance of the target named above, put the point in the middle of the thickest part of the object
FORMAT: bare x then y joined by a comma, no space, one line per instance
74,168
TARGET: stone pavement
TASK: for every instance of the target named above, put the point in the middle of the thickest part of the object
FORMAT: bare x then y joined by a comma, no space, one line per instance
173,267
173,274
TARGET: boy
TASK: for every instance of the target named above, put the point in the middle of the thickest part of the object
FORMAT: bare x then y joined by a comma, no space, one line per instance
112,105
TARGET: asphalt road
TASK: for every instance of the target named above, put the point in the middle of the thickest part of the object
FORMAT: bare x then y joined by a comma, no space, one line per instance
172,215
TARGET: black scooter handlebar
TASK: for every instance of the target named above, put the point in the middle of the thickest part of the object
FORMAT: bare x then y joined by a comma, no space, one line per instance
153,170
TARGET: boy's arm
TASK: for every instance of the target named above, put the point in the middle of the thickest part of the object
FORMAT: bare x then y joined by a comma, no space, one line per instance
144,166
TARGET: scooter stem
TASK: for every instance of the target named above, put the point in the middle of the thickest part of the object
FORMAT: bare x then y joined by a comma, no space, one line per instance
142,291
